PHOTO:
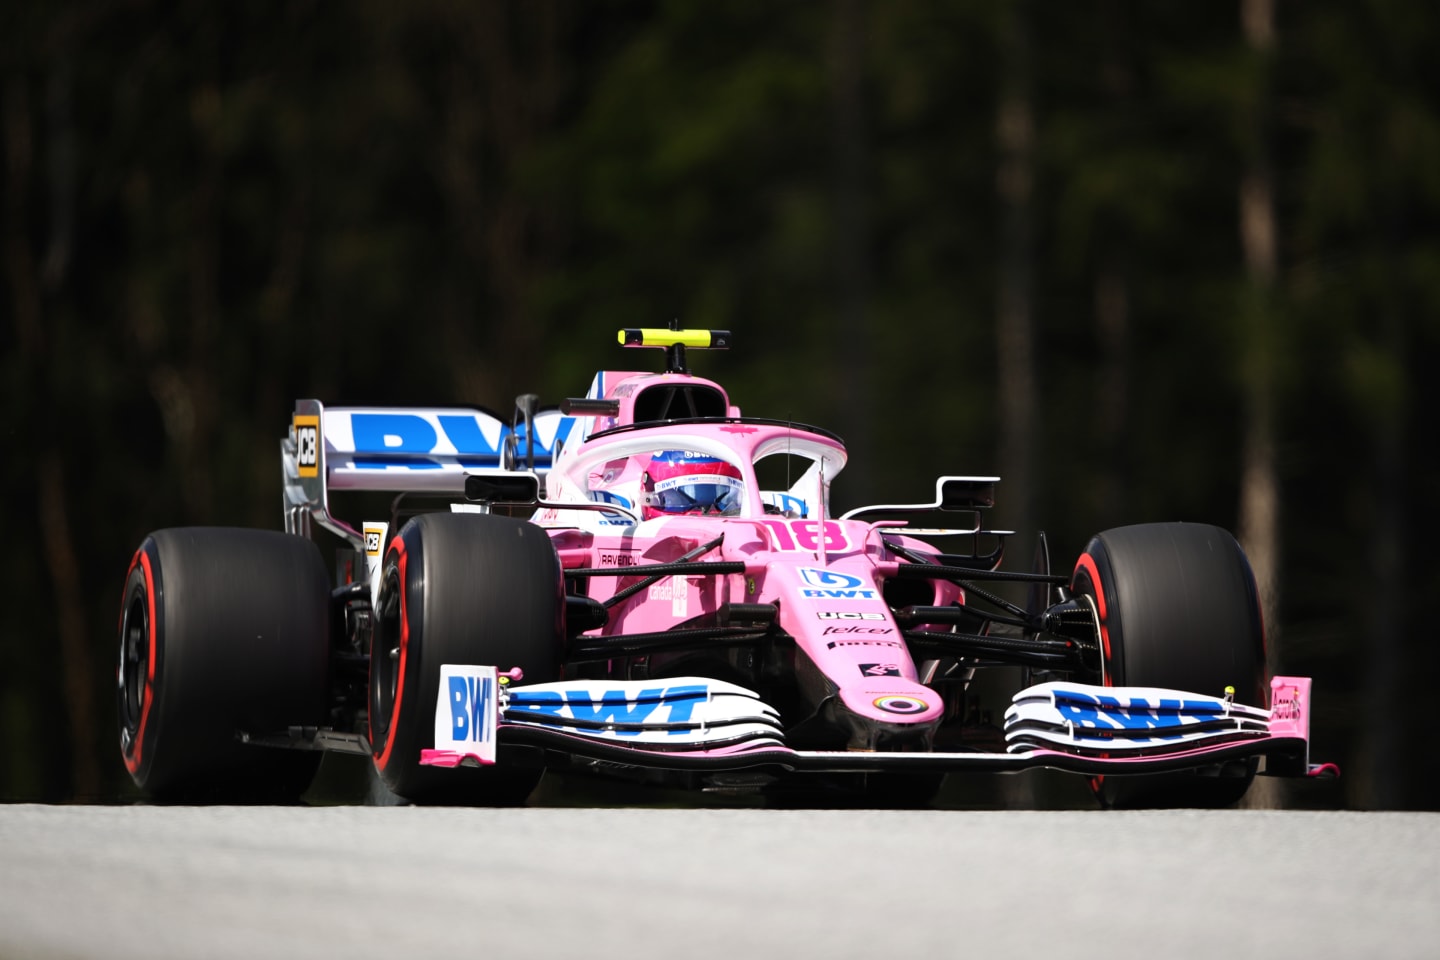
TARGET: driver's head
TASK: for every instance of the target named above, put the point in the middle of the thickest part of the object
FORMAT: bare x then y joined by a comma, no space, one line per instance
682,482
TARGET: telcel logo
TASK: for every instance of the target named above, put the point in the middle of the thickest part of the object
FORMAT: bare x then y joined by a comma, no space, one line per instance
833,585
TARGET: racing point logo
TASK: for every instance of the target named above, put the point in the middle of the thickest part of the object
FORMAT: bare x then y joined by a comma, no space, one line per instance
832,585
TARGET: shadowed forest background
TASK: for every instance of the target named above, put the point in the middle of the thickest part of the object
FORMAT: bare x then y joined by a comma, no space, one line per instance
1144,260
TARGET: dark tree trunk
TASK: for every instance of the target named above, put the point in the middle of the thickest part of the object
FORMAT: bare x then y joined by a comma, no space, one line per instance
1259,531
1015,323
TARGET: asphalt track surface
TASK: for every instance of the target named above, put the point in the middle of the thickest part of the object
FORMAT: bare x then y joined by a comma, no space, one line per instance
359,882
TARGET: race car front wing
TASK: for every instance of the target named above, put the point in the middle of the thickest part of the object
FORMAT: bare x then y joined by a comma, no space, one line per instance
702,725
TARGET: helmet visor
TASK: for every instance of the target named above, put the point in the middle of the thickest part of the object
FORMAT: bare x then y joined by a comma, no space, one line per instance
708,493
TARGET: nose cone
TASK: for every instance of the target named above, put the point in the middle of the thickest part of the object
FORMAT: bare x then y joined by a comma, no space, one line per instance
892,700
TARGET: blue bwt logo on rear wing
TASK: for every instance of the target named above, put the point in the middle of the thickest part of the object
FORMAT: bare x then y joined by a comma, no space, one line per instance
412,448
419,439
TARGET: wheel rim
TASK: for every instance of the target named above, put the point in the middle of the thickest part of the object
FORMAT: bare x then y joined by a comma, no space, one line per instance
384,657
134,666
1104,671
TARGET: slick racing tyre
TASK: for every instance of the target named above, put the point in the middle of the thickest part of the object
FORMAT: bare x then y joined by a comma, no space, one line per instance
222,631
459,588
1178,608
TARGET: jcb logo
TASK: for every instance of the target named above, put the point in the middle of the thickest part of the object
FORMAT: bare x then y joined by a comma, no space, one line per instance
372,542
307,445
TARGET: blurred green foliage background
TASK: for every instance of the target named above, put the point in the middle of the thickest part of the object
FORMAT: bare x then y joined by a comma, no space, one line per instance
1146,260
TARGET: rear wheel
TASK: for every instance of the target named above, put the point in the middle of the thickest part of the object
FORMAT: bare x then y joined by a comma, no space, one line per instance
221,631
462,589
1178,608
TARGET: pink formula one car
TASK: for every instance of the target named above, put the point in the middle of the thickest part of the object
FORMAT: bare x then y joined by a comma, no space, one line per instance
645,583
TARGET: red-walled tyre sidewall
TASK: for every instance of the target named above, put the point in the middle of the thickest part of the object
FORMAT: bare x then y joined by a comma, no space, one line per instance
462,589
1179,609
222,630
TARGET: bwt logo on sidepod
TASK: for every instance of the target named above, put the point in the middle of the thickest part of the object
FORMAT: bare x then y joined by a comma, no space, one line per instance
831,585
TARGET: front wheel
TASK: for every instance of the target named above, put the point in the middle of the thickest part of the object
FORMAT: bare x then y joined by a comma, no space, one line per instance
1177,608
458,588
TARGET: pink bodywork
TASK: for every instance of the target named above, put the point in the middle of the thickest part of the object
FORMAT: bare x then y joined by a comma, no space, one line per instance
844,636
825,577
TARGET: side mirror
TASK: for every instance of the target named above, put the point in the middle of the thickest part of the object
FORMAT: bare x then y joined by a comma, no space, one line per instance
586,407
966,493
525,405
951,493
502,488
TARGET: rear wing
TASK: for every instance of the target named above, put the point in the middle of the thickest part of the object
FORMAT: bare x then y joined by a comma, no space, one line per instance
403,450
433,449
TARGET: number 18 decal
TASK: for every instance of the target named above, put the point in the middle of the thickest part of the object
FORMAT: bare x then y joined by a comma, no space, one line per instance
800,535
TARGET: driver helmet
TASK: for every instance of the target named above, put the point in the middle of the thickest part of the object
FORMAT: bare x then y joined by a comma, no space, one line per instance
684,482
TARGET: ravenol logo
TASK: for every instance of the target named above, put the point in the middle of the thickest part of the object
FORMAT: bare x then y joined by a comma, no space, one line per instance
832,585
